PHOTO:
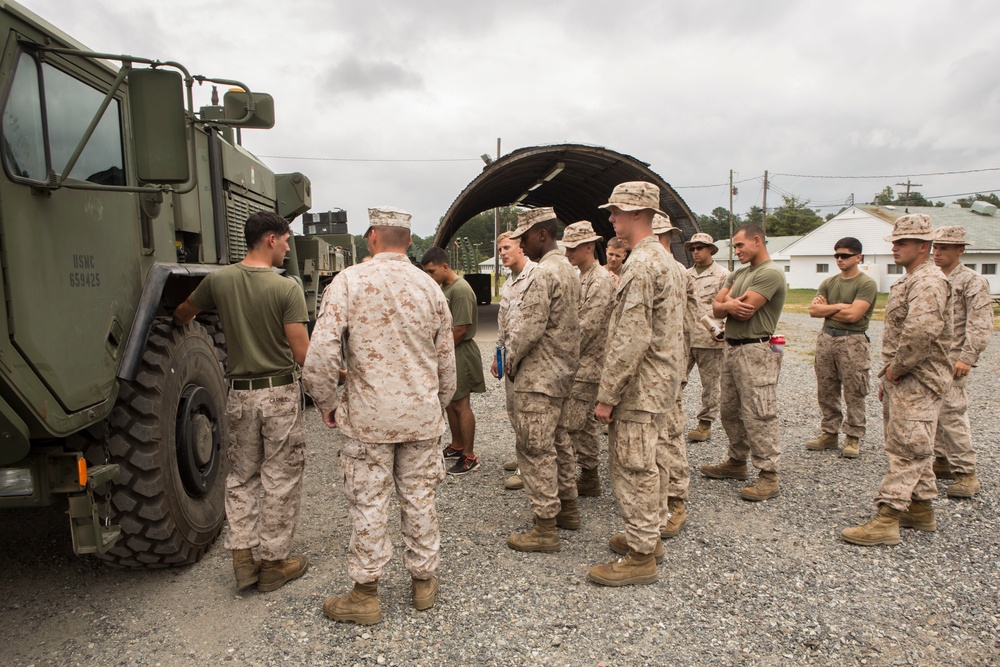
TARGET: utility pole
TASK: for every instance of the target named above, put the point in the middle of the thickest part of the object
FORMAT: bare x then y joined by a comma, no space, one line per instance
763,217
730,220
908,184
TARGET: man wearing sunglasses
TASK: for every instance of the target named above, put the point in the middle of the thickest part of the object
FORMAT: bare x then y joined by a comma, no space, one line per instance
845,302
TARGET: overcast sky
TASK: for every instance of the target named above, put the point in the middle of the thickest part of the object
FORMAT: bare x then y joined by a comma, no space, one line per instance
695,89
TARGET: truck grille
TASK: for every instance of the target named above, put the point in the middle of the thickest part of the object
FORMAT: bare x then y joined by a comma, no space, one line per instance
238,208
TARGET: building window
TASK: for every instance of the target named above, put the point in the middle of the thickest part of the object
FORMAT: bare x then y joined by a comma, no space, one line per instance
971,266
894,270
822,268
787,268
989,270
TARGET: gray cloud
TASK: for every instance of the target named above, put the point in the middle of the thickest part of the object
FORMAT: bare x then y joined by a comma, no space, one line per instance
369,79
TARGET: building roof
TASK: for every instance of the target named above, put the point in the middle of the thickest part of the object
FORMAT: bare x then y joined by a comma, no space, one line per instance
982,230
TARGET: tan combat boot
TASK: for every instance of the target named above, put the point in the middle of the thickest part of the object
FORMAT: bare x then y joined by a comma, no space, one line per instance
941,468
920,516
852,447
965,486
619,544
514,482
569,515
589,482
424,593
543,538
702,432
633,568
883,528
678,517
358,606
731,469
245,568
766,487
276,573
824,441
510,466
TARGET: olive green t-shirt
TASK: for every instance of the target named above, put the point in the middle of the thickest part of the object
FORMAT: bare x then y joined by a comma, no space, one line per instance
462,303
255,304
837,289
764,279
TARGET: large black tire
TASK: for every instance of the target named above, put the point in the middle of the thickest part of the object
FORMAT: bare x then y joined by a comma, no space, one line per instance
168,432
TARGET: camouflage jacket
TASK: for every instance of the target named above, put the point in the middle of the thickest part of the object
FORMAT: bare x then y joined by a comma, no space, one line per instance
597,299
510,299
918,331
645,357
390,323
972,315
706,286
543,351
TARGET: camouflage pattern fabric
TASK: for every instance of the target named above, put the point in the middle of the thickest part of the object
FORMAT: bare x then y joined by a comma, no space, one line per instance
369,473
510,300
671,459
705,286
581,426
597,299
972,318
842,363
635,481
267,451
536,416
915,345
709,361
750,404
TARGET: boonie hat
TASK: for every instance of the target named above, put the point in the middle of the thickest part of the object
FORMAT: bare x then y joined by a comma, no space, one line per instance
953,235
530,217
662,225
579,233
387,216
635,196
913,226
704,239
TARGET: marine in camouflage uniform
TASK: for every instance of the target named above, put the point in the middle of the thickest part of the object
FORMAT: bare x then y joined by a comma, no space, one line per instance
705,350
642,373
846,302
915,375
264,318
542,358
391,324
597,297
972,318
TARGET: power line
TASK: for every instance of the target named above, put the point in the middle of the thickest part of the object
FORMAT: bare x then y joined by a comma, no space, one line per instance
716,185
933,173
349,159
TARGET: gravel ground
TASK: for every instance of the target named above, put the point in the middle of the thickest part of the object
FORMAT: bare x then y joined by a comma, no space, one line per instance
755,584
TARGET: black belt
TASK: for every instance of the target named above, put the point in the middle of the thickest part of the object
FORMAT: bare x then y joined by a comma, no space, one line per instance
263,383
840,332
747,341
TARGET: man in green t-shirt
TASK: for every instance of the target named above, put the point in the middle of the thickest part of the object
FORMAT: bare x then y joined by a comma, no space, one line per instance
845,302
264,319
468,360
751,301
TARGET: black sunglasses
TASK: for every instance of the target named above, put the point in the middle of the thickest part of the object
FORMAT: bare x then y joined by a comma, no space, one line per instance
844,255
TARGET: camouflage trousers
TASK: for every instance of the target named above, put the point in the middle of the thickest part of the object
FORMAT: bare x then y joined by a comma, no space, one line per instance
709,361
544,455
370,470
954,436
749,411
267,451
909,416
635,480
580,426
842,363
671,458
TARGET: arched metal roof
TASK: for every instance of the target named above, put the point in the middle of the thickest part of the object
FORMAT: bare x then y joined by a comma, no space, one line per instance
574,179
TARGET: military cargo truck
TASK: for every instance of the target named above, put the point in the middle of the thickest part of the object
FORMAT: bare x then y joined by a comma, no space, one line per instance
117,196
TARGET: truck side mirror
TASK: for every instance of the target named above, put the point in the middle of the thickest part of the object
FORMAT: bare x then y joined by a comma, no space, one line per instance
235,104
159,128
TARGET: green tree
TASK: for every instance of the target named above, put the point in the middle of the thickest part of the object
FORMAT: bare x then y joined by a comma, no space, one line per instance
967,202
717,224
886,197
793,218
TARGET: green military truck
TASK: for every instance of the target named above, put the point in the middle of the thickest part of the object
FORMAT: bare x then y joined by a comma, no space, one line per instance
117,197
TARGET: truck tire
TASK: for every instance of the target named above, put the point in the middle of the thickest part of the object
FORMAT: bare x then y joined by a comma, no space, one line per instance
168,433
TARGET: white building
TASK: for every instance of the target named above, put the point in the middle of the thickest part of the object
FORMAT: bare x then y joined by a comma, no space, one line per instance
810,259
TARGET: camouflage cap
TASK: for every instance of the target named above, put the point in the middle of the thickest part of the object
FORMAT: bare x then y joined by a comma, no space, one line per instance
913,226
635,196
528,218
579,233
703,239
387,216
954,235
662,225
